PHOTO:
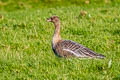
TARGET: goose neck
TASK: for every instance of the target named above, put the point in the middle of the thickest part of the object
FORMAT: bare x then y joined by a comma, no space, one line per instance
56,36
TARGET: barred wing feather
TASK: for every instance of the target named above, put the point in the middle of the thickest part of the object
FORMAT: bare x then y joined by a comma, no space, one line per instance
79,50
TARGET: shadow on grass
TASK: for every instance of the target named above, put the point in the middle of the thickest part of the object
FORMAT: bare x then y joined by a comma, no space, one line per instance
22,25
113,32
117,77
116,32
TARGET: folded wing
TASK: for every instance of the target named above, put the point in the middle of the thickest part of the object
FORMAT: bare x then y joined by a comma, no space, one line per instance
79,50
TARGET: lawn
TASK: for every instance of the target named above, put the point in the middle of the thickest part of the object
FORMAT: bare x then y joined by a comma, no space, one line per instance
25,43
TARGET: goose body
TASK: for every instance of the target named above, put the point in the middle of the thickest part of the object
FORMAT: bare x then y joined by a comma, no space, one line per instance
68,48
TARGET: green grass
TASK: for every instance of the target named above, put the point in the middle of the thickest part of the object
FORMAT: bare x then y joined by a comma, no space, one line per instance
25,43
14,5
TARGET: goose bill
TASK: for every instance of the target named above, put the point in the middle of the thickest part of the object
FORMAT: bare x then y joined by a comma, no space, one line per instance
49,20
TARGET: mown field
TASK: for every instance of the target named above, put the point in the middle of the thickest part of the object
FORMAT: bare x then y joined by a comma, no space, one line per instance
25,43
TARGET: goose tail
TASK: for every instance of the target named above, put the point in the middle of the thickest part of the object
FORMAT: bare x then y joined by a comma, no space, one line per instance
100,56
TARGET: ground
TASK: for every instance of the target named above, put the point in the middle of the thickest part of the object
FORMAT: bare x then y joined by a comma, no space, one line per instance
25,43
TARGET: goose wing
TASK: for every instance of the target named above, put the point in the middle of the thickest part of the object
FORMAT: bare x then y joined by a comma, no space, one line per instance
79,50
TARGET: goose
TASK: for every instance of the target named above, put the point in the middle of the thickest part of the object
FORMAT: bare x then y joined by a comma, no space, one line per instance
69,48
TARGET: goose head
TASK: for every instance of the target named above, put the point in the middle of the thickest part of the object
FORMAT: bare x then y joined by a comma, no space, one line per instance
53,19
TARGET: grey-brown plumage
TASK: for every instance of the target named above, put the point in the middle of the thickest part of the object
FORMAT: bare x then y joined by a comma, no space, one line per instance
68,48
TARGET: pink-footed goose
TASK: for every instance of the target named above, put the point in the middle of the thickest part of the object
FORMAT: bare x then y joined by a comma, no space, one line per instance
68,48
